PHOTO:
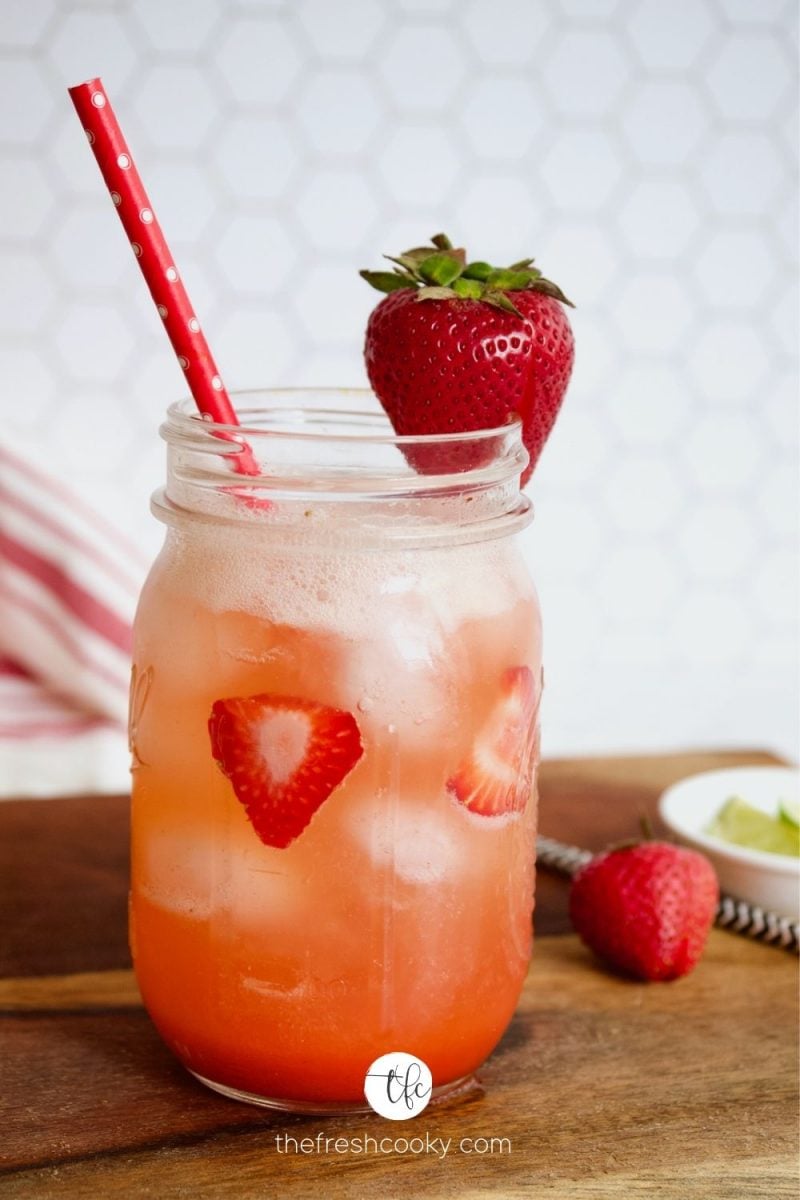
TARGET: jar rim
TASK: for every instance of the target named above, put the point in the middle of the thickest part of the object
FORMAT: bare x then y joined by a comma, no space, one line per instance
332,452
187,421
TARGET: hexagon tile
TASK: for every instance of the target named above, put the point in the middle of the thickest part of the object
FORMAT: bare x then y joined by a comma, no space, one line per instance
646,153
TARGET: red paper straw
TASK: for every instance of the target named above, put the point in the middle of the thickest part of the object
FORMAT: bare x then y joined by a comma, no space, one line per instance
161,276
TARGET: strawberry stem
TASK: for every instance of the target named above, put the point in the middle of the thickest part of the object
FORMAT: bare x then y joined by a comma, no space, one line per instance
441,272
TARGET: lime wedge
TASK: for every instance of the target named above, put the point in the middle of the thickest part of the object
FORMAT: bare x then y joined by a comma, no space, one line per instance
789,811
740,823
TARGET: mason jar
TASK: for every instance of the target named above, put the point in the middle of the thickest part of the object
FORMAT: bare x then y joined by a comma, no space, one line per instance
334,739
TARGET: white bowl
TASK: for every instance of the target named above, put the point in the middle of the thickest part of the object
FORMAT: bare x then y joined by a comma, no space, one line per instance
771,881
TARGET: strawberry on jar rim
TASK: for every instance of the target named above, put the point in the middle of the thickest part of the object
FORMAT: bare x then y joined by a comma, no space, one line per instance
457,346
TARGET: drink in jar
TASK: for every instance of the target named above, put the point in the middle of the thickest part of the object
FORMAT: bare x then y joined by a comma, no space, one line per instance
358,632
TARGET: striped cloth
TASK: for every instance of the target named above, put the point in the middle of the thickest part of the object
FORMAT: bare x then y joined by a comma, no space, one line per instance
68,587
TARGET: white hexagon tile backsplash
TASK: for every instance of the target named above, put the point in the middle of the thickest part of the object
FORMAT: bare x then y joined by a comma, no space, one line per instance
646,151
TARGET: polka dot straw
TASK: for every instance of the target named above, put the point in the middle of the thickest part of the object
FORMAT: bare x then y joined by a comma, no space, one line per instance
152,253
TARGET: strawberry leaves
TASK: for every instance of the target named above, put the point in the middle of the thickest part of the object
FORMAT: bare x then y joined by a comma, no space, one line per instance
467,289
441,272
386,281
440,269
478,270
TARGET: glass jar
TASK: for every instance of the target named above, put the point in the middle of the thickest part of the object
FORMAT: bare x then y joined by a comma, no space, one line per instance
334,736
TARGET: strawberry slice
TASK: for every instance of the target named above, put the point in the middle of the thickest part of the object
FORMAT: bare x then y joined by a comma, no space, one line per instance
496,776
284,756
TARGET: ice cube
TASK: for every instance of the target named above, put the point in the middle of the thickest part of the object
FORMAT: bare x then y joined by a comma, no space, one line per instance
404,673
264,889
297,987
176,870
421,841
235,877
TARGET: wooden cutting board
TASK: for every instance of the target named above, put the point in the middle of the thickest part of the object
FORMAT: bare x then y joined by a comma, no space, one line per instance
601,1088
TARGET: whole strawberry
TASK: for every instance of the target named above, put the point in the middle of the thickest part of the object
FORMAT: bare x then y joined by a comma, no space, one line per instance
457,346
646,909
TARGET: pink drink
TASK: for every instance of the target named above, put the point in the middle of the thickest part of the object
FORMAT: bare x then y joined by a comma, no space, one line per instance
400,917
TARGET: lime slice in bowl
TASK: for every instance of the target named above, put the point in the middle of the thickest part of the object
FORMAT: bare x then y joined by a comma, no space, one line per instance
789,812
743,825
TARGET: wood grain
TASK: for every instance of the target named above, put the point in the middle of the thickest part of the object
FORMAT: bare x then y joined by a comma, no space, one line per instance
63,885
605,1088
70,993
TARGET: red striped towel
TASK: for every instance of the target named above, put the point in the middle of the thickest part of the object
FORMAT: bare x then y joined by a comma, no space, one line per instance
68,587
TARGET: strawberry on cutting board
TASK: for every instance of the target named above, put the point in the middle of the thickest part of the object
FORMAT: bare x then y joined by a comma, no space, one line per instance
646,909
284,756
496,776
457,346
